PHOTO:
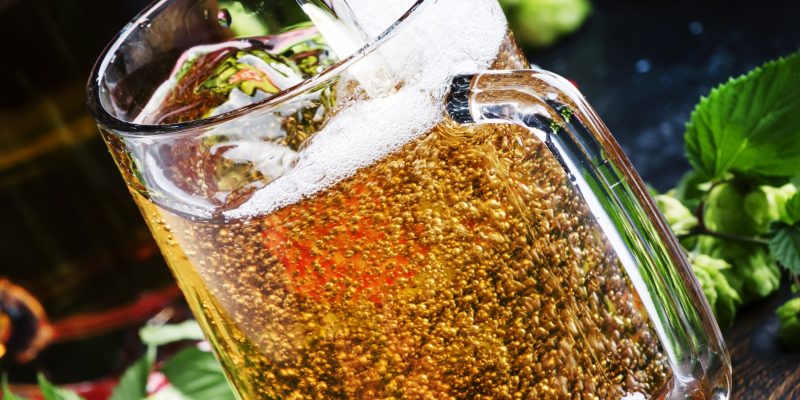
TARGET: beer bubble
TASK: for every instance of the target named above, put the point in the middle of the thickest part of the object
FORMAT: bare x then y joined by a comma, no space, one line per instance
388,263
290,187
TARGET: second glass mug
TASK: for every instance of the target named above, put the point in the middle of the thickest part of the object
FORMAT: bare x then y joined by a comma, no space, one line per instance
425,218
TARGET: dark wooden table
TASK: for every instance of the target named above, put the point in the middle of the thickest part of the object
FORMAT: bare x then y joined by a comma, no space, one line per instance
644,65
761,369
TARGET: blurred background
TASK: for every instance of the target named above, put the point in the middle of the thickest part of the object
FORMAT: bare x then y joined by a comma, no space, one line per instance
78,271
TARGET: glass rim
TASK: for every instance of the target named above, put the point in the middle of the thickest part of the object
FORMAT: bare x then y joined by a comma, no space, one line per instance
122,127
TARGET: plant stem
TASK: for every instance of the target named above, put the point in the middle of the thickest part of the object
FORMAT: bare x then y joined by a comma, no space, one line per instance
703,231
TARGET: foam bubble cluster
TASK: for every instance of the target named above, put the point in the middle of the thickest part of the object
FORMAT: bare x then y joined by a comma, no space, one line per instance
446,38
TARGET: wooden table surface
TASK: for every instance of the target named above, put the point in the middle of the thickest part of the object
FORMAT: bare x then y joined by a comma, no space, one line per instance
761,370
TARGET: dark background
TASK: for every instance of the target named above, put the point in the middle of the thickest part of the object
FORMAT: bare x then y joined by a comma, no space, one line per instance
644,64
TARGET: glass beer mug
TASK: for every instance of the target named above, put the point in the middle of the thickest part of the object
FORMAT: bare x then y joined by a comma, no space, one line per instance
417,217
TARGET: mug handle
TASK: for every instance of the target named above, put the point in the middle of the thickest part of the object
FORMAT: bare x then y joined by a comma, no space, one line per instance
558,114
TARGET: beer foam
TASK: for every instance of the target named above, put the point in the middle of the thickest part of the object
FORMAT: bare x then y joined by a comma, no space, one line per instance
448,37
348,143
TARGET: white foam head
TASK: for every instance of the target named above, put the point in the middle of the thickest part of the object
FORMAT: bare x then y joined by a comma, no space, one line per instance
449,37
446,38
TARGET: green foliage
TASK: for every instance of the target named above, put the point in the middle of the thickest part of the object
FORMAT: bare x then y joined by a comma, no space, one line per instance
689,190
749,125
789,316
753,273
792,215
7,394
743,142
164,334
51,392
758,274
785,245
722,298
724,210
761,211
197,375
192,373
133,384
679,218
541,22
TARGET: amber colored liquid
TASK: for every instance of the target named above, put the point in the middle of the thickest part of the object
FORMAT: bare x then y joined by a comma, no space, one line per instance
464,266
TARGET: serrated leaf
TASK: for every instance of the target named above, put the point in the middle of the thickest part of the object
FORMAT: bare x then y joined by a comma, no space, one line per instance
51,392
165,334
749,125
785,245
793,209
133,384
7,393
197,375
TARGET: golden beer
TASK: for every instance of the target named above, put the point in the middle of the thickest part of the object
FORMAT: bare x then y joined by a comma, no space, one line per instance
463,266
351,236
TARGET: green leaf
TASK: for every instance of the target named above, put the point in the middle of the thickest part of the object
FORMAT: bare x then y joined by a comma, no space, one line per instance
793,209
165,334
197,375
168,393
133,384
7,393
749,125
789,317
51,392
785,245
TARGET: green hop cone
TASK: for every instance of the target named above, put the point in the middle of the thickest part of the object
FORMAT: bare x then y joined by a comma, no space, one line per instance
767,204
679,218
762,206
724,211
540,22
779,198
722,298
760,273
754,273
789,316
